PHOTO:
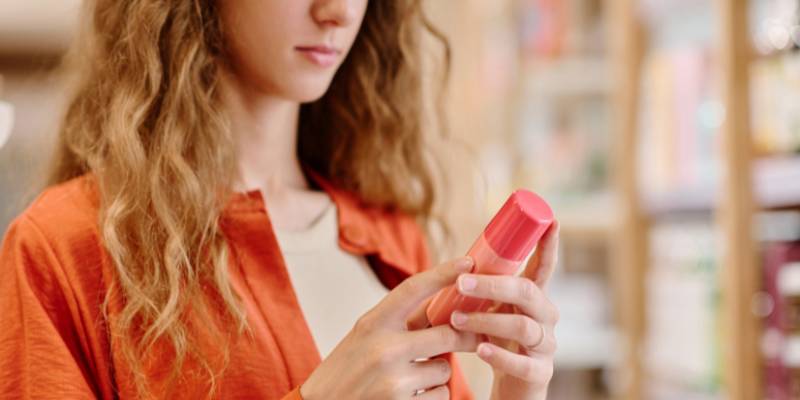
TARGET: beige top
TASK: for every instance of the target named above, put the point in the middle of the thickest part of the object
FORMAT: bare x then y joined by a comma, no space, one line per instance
334,287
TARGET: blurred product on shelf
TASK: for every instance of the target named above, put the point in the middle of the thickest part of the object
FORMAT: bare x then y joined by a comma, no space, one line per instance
554,28
681,111
681,117
543,27
674,24
775,76
775,25
564,100
682,350
776,104
780,306
568,141
777,181
778,226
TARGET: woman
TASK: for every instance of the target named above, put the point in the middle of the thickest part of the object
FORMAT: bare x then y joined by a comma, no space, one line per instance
152,266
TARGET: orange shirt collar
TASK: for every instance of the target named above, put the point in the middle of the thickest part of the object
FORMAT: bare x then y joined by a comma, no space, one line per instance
358,223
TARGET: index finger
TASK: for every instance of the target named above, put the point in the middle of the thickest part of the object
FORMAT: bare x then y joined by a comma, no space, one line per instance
438,340
407,296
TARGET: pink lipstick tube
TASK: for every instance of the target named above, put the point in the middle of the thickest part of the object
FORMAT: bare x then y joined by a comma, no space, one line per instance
505,243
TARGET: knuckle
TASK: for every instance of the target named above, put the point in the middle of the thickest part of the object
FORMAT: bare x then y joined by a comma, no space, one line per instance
364,324
477,320
493,286
527,290
410,286
397,389
540,304
444,369
390,387
442,274
526,331
528,371
388,353
381,354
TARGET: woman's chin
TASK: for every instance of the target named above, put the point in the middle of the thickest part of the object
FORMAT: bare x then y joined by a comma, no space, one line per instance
309,95
310,98
307,90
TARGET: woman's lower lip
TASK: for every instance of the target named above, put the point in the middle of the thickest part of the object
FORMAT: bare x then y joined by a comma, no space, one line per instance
323,59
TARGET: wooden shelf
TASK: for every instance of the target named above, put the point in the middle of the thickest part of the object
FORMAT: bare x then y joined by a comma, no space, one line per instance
595,219
680,202
777,182
776,185
631,253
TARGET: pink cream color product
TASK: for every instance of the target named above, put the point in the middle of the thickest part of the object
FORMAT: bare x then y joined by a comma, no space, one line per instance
505,243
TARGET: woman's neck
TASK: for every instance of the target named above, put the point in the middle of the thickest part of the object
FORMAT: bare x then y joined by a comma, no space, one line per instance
265,135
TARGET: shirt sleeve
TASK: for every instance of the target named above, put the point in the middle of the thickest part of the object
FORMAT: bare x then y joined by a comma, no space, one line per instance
39,350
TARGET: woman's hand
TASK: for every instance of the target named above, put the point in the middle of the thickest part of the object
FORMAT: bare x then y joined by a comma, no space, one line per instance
520,342
376,360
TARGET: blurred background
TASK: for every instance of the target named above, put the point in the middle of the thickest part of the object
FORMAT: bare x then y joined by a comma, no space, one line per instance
665,133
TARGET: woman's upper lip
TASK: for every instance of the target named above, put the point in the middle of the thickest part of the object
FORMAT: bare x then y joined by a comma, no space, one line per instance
321,49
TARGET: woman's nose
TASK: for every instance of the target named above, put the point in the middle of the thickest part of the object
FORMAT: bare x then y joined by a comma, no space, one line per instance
335,12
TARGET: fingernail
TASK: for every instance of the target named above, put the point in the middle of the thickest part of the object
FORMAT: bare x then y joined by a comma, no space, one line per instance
484,350
467,283
464,264
459,318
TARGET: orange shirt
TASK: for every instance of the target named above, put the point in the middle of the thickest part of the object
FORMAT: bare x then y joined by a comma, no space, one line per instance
54,274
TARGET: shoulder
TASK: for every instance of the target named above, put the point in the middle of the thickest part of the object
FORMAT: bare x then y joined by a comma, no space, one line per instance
64,212
55,241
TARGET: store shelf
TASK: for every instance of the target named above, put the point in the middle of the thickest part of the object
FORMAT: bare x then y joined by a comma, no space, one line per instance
680,202
777,182
716,67
776,185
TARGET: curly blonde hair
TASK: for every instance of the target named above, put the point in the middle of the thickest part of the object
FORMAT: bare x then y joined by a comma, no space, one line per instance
145,119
